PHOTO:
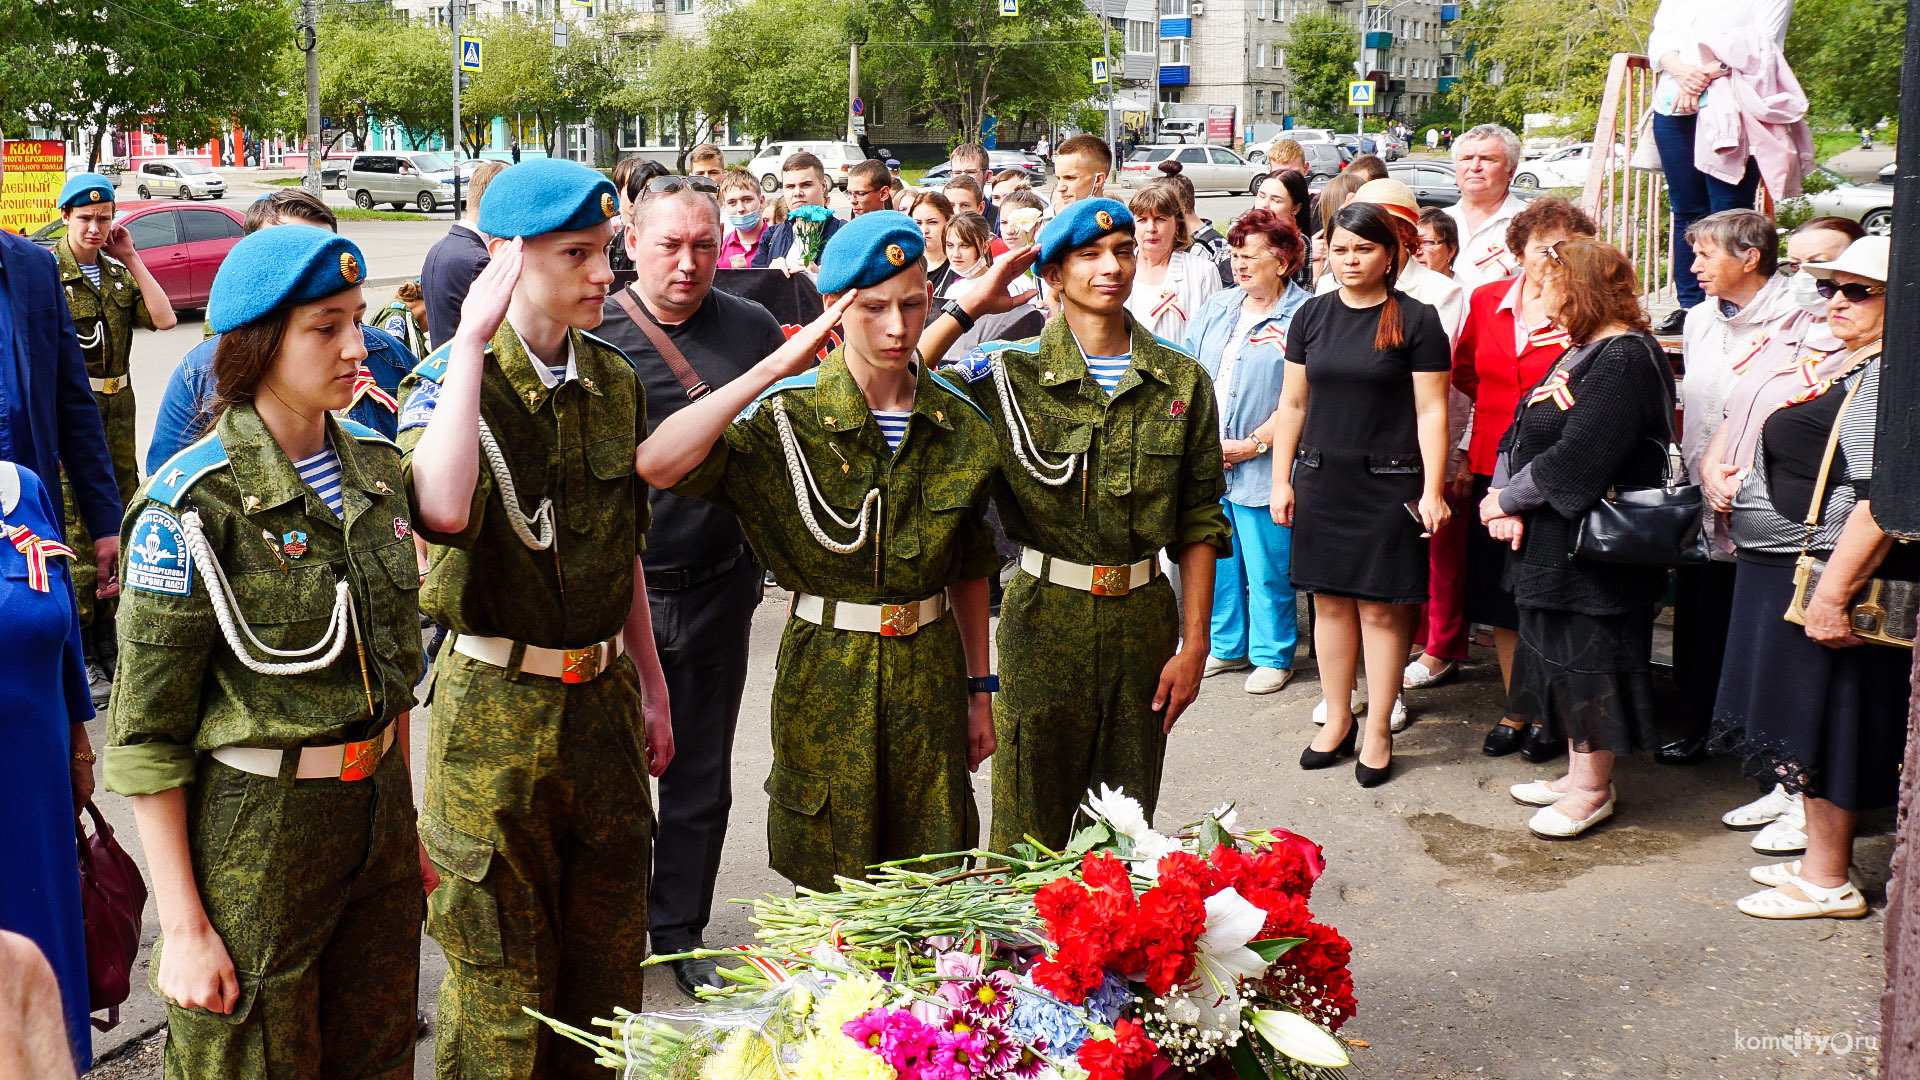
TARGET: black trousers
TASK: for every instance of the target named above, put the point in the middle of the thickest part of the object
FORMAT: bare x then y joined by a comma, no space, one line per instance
701,632
1702,610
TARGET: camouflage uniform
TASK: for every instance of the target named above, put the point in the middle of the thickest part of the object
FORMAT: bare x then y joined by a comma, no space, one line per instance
537,811
1078,671
313,884
869,732
103,319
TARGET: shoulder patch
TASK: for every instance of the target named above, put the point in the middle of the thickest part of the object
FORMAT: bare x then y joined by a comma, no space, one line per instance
363,433
959,393
604,343
433,366
157,558
804,380
168,486
1174,347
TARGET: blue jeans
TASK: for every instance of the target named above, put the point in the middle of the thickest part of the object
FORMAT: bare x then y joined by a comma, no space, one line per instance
1253,604
1693,195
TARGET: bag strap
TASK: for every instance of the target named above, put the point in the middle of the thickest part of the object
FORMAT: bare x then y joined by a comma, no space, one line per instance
690,380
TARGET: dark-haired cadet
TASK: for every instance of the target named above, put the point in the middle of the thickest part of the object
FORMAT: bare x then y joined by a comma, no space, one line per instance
1111,447
270,642
861,483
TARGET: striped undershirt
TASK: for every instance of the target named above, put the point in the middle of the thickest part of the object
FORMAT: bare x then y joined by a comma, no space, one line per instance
893,425
321,472
1107,370
92,270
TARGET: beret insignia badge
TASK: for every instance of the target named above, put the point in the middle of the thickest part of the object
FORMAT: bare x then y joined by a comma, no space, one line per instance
1103,219
895,255
94,195
607,205
349,267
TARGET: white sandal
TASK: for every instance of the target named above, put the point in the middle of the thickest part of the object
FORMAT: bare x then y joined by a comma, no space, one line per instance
1417,674
1535,793
1798,898
1776,874
1762,811
1786,835
1548,823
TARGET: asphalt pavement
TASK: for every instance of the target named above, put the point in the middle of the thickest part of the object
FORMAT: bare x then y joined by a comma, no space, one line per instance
1479,950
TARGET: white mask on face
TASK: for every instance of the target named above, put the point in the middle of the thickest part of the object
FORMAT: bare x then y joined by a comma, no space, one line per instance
1801,288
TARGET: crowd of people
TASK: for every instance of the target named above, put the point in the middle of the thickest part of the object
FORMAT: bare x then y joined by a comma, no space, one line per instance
1135,438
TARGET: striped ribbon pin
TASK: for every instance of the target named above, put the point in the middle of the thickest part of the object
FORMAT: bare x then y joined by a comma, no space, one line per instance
1740,365
1168,302
1496,257
1270,334
37,551
364,386
1808,370
1547,336
1555,387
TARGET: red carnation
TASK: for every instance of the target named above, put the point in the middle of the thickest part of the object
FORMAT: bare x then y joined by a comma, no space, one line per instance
1102,871
1310,852
1126,1056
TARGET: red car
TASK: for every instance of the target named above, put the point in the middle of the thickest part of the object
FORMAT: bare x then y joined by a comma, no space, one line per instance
183,245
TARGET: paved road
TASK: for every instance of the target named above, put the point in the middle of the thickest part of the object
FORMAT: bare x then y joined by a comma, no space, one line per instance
1480,951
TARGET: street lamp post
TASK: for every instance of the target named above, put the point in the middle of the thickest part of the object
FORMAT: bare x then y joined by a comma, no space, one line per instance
310,44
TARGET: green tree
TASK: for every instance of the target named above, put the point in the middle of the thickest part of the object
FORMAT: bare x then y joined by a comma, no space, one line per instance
1847,54
1543,56
1321,50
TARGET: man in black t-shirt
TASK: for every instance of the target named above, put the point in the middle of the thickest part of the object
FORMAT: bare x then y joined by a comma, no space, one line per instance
702,581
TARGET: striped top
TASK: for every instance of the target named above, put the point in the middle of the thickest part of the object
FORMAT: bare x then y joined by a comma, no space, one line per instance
1107,370
92,270
321,472
893,425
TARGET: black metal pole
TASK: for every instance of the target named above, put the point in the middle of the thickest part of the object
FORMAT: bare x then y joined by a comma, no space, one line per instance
1896,479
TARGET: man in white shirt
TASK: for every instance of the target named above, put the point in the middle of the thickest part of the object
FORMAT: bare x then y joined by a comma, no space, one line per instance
1484,160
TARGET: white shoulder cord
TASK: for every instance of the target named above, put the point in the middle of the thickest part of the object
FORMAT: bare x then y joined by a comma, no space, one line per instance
228,613
1022,438
797,469
516,517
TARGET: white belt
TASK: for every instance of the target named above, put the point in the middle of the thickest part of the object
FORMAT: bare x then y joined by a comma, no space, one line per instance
353,761
887,620
567,665
1098,580
109,386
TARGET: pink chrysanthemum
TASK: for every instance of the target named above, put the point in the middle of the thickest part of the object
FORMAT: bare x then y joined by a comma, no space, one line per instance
990,996
868,1030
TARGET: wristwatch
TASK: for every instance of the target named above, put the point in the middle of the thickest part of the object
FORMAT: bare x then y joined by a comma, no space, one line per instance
983,684
1261,447
953,308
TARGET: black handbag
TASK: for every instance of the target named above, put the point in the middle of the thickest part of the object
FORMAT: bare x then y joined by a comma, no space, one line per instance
1653,526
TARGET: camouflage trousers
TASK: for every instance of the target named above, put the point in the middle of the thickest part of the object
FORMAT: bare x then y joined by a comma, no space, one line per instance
538,817
1077,678
117,413
869,751
314,886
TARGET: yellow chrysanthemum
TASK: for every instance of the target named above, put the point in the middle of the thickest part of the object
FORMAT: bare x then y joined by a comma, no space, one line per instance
836,1057
850,999
745,1056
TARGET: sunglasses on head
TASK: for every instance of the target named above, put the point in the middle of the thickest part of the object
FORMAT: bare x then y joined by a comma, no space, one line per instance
1855,292
667,185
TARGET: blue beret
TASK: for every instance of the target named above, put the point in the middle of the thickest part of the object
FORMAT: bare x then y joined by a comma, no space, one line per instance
1080,224
546,195
278,268
868,250
83,189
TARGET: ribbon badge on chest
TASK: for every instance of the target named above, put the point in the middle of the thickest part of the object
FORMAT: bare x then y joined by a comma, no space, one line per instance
1168,302
37,551
294,544
365,387
1494,258
1554,388
1740,365
1270,334
1548,336
1808,371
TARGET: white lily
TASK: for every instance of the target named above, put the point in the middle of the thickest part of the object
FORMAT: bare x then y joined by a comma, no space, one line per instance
1226,815
1120,811
1147,850
1300,1039
1221,955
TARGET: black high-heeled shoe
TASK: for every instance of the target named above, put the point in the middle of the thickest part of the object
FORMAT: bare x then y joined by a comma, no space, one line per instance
1321,759
1367,775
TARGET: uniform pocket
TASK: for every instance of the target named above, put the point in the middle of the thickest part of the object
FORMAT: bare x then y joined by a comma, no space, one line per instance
1308,456
462,913
611,459
1061,435
800,825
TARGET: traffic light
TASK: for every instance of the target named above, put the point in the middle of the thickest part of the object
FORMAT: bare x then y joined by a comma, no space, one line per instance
466,80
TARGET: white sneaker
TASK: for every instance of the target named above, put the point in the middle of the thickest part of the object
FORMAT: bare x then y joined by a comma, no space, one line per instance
1267,680
1760,811
1218,666
1320,712
1399,720
1786,836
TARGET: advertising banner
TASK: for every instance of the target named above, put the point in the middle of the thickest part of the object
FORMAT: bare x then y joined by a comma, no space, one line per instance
34,171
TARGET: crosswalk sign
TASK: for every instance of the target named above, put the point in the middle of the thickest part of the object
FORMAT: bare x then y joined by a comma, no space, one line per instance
1360,93
1009,8
469,53
1099,69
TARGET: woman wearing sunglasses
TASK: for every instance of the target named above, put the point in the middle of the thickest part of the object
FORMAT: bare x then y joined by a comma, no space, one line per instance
1812,707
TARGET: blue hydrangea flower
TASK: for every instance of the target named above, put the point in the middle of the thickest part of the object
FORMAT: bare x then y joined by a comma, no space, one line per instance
1109,998
1037,1013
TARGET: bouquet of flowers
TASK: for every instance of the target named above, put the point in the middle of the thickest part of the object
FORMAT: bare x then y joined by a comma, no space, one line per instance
809,227
1131,955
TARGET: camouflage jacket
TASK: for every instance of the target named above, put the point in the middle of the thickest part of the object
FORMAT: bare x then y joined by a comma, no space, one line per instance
573,443
181,690
928,531
1149,472
103,317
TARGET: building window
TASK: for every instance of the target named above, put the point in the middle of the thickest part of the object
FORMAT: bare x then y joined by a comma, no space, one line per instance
1260,57
1140,35
1173,9
1173,51
683,7
1279,61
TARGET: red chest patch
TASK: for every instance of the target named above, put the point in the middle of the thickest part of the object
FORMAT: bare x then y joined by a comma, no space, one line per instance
401,529
1177,410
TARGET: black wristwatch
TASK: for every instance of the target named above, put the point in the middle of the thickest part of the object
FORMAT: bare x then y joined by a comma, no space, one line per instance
983,684
953,308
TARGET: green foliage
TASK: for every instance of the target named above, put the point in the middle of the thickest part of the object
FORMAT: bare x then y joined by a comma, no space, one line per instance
1847,55
778,67
1320,56
1522,56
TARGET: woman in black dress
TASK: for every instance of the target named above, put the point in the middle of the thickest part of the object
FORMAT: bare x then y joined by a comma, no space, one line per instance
1600,418
1363,416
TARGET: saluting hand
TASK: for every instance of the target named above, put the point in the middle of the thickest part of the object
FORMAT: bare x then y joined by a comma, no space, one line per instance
485,307
988,295
800,353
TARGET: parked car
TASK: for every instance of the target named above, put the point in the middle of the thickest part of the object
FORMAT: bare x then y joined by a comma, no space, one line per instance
1433,182
400,178
996,161
333,172
1869,204
1211,168
182,178
105,168
837,157
1562,168
182,245
1887,172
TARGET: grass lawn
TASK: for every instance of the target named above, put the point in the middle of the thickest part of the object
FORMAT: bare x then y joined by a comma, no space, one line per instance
354,213
284,181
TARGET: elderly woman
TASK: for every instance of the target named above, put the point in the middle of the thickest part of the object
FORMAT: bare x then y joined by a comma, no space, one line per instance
1439,240
1240,337
1509,343
1599,420
1735,255
1810,706
1170,282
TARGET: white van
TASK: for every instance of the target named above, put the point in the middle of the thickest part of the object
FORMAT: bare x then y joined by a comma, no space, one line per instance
1192,129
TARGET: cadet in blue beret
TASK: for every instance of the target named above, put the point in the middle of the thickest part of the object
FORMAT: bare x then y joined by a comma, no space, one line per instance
270,646
1097,663
882,703
520,435
109,291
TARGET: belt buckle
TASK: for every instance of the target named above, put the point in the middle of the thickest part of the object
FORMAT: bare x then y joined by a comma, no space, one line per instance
899,620
580,665
1112,580
360,759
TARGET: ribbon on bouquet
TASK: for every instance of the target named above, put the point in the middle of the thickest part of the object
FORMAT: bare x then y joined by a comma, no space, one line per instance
37,551
1553,387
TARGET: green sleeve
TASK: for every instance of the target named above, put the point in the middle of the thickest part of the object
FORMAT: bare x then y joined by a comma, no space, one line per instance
409,440
1202,519
140,313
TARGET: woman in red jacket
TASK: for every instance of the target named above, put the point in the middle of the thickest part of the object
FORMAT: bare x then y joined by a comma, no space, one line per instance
1508,344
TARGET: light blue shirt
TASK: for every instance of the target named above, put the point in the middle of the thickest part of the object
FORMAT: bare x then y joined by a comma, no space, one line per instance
1254,390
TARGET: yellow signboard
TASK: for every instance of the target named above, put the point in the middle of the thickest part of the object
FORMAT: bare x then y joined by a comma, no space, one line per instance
35,169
